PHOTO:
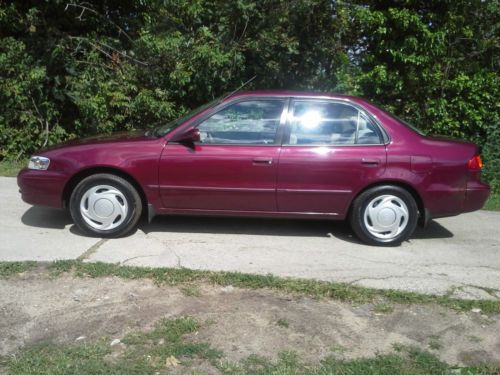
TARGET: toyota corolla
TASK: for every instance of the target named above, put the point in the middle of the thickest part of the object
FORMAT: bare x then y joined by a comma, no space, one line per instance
265,154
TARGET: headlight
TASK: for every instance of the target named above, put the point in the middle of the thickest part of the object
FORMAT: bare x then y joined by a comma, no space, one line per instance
39,162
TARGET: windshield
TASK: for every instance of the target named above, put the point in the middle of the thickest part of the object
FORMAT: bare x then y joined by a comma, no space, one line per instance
165,129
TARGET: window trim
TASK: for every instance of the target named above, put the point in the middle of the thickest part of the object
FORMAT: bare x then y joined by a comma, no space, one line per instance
279,131
383,136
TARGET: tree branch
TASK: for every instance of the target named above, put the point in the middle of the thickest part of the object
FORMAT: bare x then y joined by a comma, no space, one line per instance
90,10
99,46
43,121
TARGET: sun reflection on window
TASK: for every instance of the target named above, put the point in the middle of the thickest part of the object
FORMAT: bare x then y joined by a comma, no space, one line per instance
310,119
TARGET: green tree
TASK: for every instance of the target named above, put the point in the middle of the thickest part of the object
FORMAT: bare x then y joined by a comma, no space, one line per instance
71,69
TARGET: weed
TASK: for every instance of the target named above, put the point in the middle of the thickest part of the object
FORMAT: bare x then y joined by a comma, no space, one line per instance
474,339
435,343
283,323
383,308
191,290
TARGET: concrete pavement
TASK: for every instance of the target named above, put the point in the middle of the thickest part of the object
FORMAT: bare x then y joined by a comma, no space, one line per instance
460,255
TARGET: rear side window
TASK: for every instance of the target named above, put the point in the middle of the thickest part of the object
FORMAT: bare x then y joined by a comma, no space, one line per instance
368,133
326,123
253,122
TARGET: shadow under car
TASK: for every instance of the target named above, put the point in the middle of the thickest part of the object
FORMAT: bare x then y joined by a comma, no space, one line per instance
43,217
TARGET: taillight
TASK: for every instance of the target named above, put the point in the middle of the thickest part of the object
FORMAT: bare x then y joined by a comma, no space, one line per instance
475,163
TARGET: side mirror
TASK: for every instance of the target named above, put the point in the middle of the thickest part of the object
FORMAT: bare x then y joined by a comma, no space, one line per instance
190,136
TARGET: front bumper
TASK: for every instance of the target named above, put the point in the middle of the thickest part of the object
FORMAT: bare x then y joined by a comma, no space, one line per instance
41,188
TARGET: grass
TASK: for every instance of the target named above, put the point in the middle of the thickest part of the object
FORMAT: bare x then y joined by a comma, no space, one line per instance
313,288
338,349
145,353
493,203
166,345
435,343
149,352
474,339
186,278
8,269
166,341
11,168
283,323
383,308
191,290
407,362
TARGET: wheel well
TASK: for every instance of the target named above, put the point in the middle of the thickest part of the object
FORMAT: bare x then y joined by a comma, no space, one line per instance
423,215
71,184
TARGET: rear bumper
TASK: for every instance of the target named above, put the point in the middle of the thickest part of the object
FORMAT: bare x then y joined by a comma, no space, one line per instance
446,202
476,195
41,188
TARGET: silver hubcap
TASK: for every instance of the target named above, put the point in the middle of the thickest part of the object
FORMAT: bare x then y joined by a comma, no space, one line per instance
103,207
386,216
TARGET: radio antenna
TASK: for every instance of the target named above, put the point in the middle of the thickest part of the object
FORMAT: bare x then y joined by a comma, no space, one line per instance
238,89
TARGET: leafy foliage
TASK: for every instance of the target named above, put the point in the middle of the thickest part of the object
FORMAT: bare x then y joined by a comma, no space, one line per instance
75,69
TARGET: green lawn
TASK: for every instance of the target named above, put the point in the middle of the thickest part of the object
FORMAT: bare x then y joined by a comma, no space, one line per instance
188,280
11,168
493,204
165,349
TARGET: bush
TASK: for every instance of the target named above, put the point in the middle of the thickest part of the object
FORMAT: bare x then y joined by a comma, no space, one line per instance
76,71
491,156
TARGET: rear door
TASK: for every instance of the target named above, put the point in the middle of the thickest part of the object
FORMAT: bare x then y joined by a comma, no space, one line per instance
330,151
234,166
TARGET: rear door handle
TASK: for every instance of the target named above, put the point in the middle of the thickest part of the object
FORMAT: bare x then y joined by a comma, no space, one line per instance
372,162
263,161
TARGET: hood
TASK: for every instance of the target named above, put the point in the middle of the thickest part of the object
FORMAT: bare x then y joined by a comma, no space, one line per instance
118,137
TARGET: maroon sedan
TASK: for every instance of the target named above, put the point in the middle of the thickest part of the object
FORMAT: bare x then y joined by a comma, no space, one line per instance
266,154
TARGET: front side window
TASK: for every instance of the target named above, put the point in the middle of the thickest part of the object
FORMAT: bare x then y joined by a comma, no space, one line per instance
165,129
252,122
326,123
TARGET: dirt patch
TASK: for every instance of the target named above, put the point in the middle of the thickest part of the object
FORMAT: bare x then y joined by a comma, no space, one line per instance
35,308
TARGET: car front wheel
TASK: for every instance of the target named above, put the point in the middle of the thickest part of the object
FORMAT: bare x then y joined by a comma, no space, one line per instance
384,215
105,205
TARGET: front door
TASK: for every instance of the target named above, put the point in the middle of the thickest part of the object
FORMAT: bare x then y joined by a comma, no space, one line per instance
233,167
331,150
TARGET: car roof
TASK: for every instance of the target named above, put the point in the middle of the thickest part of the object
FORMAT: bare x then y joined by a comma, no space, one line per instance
292,93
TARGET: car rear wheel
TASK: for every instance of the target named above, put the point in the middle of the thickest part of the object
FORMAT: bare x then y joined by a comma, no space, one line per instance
105,205
384,215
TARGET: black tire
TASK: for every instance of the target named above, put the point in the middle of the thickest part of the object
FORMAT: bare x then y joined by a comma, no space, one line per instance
128,197
359,207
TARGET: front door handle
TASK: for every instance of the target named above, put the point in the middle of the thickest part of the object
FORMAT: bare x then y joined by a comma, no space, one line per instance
263,161
372,162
